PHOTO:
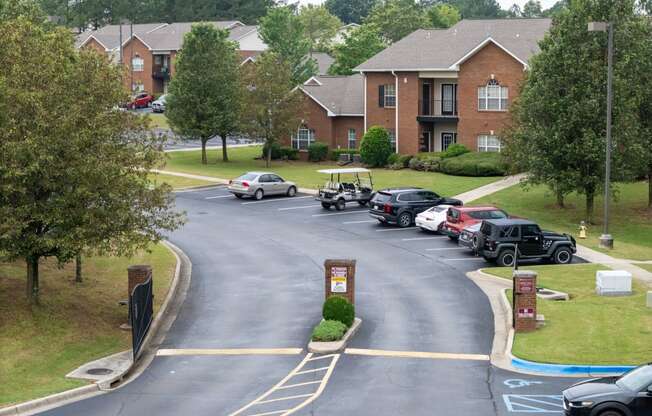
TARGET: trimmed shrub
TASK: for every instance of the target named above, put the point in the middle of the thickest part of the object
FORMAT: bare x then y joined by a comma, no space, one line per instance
475,164
375,147
425,155
317,152
405,160
289,153
393,159
338,308
454,150
335,153
328,331
426,162
276,151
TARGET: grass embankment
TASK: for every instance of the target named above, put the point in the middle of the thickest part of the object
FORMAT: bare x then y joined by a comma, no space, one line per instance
177,182
159,121
305,173
74,323
588,329
630,219
646,266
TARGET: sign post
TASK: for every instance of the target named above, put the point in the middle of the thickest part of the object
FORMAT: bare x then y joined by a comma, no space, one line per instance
340,278
524,300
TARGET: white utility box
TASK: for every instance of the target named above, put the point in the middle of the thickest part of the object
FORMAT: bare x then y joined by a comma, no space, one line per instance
613,283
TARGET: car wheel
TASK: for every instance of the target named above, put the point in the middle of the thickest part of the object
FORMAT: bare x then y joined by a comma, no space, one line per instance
562,256
404,220
340,204
259,194
474,244
326,205
239,196
506,258
292,191
610,413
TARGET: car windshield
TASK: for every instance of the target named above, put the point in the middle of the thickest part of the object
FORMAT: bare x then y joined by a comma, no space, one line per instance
637,379
247,177
494,214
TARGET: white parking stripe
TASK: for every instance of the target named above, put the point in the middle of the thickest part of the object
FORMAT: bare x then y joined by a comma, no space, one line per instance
446,248
301,207
359,222
298,396
276,200
220,196
341,213
422,238
396,229
464,259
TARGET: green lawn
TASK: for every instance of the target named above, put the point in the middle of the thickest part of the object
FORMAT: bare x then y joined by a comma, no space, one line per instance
159,121
177,182
646,266
630,224
74,324
588,329
305,173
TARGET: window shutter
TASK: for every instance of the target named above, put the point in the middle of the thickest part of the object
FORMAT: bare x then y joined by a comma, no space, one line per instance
381,96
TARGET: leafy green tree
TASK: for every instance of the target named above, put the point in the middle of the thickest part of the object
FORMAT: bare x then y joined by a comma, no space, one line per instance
273,107
476,8
350,11
532,9
558,132
397,18
204,98
375,147
359,45
319,26
27,9
73,170
283,32
556,8
514,11
443,15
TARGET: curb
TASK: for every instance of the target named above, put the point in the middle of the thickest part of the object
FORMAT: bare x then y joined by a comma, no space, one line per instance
335,346
159,328
569,369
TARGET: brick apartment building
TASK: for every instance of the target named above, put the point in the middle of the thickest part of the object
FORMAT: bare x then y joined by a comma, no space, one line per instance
430,89
148,54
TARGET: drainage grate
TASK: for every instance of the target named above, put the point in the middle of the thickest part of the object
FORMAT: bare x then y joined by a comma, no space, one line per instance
99,371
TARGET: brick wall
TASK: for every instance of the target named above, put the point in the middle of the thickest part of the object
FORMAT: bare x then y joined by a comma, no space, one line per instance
341,126
136,47
408,108
376,115
475,73
95,45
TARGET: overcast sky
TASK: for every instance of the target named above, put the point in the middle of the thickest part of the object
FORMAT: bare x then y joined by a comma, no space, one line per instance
505,4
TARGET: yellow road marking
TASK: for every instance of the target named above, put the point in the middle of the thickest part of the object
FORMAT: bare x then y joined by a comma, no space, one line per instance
417,354
229,351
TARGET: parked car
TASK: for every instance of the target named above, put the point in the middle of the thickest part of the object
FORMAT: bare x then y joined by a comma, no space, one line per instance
432,219
158,106
345,185
469,237
401,205
140,100
458,218
260,184
627,395
499,240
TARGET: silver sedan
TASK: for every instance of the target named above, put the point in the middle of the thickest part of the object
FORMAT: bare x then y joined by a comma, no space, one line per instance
260,184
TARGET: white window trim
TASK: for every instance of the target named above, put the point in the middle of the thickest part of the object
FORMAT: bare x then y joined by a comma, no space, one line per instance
297,139
387,96
140,67
486,147
500,98
352,139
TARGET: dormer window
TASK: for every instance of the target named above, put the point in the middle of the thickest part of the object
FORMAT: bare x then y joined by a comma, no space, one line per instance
493,97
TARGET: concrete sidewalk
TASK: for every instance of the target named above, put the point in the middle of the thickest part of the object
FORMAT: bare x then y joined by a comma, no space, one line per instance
491,188
594,256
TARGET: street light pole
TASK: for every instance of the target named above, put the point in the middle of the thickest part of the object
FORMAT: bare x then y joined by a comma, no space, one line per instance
606,240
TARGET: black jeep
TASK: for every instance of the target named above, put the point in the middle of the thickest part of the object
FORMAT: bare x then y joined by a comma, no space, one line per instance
499,241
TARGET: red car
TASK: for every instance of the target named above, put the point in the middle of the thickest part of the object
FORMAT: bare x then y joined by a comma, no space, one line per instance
140,100
458,218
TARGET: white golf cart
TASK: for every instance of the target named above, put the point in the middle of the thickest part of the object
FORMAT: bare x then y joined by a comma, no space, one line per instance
346,185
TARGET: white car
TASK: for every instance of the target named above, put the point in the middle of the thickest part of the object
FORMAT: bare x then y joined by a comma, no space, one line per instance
432,219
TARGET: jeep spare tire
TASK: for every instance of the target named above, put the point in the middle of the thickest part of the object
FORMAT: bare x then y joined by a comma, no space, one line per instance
506,258
563,255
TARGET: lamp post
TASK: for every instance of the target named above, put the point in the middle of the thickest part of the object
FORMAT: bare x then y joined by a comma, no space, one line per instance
606,240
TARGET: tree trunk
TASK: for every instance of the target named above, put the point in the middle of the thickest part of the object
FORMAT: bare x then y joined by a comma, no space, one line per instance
78,268
590,196
649,188
560,199
32,278
268,159
225,157
204,161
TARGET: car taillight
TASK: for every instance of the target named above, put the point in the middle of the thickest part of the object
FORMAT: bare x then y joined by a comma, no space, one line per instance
245,184
387,208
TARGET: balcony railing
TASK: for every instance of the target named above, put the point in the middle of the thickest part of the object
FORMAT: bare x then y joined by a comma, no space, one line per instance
161,72
438,108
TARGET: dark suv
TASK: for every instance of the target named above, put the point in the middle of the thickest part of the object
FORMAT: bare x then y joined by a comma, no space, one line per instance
400,205
500,239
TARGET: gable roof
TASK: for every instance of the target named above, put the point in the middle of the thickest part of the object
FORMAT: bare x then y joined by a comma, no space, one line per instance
446,49
324,61
338,95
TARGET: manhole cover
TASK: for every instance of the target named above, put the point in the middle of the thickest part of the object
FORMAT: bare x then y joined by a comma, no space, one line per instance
99,371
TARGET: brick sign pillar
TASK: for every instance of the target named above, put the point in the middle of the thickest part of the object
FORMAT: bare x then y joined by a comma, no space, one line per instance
340,278
138,274
525,300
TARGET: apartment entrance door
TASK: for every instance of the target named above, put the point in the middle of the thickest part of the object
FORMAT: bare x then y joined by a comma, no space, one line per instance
447,139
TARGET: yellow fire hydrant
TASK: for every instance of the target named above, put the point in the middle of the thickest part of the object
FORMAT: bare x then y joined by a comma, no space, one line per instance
583,229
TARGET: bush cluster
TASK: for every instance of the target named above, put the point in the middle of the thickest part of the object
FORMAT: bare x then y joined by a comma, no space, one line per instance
375,147
281,152
317,152
397,161
454,150
475,164
427,162
328,331
338,308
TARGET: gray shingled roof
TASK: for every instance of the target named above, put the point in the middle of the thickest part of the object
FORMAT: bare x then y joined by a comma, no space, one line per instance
437,49
158,36
324,61
341,95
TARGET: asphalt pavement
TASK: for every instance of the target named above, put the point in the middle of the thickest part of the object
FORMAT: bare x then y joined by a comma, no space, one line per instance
257,282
